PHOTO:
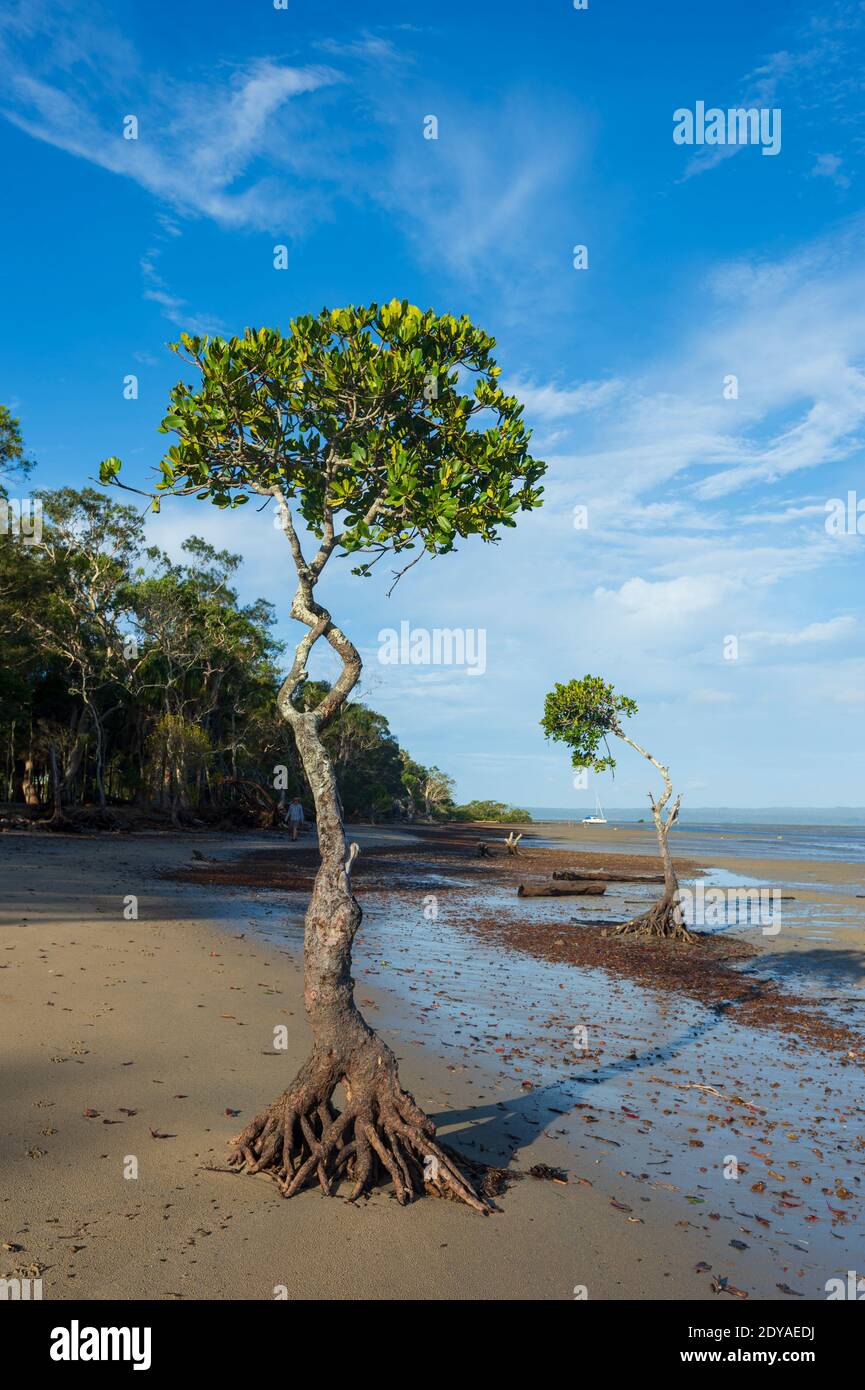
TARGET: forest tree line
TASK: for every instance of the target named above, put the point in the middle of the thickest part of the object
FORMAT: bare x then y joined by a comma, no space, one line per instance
131,679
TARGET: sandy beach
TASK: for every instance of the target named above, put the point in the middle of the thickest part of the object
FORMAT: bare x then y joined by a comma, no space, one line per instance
144,1043
824,899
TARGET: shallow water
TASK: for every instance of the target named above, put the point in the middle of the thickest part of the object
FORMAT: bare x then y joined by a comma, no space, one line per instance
845,843
616,1097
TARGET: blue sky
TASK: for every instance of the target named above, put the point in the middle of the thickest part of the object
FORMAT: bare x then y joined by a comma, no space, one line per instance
706,515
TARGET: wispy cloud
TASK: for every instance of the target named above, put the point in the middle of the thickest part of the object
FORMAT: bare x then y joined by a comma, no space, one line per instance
255,145
769,385
482,198
834,630
760,90
813,73
551,402
175,309
828,166
194,146
69,79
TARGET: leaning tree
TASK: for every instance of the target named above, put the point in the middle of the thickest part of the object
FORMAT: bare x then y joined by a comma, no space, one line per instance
581,715
377,431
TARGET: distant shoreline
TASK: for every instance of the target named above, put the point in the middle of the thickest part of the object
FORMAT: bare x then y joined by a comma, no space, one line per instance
712,845
824,817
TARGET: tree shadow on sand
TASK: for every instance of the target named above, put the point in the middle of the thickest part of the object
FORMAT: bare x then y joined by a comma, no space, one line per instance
489,1132
841,968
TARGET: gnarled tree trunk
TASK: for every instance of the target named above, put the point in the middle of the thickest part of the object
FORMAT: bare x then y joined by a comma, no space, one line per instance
28,782
665,918
76,750
58,820
302,1137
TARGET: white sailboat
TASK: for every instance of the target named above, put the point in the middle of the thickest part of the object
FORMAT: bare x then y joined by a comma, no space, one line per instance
598,818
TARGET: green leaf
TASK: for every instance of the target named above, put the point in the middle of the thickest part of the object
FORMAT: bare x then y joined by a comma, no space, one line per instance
109,468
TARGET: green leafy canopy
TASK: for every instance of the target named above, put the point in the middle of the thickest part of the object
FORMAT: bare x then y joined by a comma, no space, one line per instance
12,456
581,714
386,421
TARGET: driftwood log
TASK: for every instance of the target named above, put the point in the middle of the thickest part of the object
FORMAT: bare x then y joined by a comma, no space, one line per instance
511,844
606,875
561,890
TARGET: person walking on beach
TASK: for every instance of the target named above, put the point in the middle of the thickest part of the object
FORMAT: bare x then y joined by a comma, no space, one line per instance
295,816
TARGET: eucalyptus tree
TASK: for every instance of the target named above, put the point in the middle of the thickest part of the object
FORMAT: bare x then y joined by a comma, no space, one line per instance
86,549
427,790
13,459
379,431
365,755
582,714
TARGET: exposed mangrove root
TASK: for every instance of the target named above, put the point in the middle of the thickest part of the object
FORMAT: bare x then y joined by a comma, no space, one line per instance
302,1138
664,922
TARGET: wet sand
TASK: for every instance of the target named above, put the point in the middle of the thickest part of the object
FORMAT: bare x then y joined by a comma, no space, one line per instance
822,916
692,1058
172,1016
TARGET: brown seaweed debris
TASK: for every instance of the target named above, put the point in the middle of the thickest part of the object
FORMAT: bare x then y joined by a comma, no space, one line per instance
491,1181
545,1173
407,865
712,975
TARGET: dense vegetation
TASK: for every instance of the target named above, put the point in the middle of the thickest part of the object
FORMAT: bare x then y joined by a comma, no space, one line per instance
496,811
129,679
148,682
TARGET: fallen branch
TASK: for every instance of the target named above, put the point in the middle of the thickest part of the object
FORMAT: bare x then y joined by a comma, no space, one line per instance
712,1090
561,890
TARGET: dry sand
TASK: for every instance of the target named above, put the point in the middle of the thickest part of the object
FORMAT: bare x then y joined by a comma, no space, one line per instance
172,1016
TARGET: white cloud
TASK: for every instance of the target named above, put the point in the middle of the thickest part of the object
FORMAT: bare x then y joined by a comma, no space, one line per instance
828,166
842,684
811,75
713,697
248,146
791,332
476,198
175,309
195,142
831,631
550,402
666,600
761,90
805,510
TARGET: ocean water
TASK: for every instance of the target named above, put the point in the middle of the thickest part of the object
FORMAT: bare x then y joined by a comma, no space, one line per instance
703,816
822,834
